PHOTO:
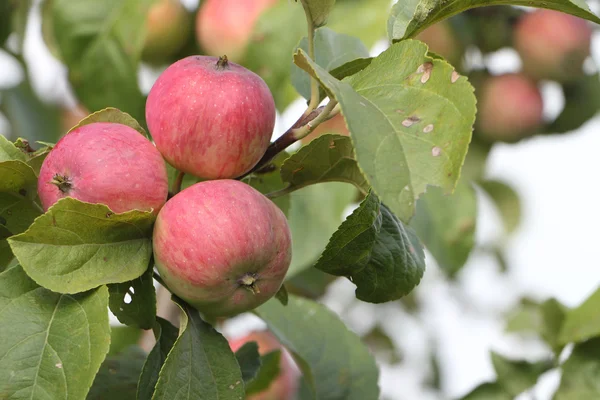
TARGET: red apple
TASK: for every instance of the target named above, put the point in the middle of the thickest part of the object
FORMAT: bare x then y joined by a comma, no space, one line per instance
210,118
285,385
225,26
222,246
441,39
168,27
510,108
552,45
105,163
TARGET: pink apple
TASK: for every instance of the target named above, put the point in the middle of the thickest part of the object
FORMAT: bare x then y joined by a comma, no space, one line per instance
552,45
105,163
509,108
210,118
285,385
222,246
225,26
168,27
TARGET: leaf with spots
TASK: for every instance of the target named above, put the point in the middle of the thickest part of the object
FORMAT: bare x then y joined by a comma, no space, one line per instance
335,363
78,246
410,118
410,17
200,365
18,191
332,50
140,310
328,158
446,225
377,252
51,344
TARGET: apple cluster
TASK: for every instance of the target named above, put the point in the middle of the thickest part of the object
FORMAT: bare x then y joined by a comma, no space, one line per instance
552,46
219,244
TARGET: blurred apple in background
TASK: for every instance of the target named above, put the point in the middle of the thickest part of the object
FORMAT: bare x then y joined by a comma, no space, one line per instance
168,27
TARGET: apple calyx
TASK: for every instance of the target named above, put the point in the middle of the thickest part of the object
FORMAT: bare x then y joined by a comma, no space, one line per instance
248,281
222,63
63,183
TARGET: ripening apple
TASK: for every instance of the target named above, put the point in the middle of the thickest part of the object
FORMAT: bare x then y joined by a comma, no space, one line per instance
168,27
442,39
225,26
210,117
510,107
552,45
284,386
105,163
222,246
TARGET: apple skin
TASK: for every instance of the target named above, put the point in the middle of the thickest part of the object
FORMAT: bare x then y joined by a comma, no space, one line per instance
510,108
211,121
212,236
284,387
225,26
552,45
105,163
168,26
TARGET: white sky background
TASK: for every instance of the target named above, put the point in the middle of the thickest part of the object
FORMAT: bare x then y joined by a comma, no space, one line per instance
554,253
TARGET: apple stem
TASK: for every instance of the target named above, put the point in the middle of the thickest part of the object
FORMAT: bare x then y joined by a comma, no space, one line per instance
223,62
63,183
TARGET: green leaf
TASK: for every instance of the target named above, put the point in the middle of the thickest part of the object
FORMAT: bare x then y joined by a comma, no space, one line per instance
140,311
249,360
268,372
517,376
78,246
408,111
118,376
36,159
6,256
101,44
332,50
328,158
580,373
381,256
166,335
582,102
111,114
268,179
315,213
27,115
51,345
318,10
488,391
335,362
121,337
507,200
200,365
545,319
365,19
18,191
310,283
6,10
582,323
446,225
282,295
410,17
10,152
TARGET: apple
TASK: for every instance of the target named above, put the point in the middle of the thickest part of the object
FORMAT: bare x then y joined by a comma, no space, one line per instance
552,45
105,163
442,39
510,108
225,26
210,117
335,125
222,246
284,386
168,27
